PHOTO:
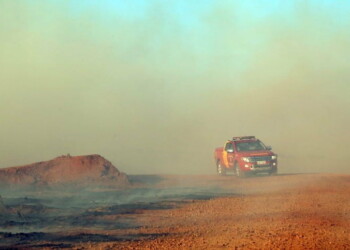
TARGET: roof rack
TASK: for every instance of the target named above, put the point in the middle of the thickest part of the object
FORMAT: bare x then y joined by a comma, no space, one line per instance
239,138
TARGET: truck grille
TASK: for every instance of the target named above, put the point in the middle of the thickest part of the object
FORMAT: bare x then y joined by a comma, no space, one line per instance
260,158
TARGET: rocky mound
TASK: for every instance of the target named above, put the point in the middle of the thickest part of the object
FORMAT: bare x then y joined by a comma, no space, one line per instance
89,169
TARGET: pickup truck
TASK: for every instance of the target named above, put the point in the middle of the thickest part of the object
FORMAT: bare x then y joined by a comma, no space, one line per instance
245,155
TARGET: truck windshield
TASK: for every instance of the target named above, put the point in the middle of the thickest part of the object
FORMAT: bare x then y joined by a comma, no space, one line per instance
250,146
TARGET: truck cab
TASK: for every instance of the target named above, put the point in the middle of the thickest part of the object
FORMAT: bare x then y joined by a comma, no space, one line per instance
245,155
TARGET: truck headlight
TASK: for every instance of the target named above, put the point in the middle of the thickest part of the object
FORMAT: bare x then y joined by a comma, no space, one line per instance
246,159
274,157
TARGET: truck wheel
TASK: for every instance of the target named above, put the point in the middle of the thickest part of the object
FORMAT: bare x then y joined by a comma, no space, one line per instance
273,173
239,172
220,169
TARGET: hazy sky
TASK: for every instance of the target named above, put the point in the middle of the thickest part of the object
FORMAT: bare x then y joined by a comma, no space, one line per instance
155,86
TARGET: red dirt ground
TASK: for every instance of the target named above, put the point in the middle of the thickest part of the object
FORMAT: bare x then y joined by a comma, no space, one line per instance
279,212
301,211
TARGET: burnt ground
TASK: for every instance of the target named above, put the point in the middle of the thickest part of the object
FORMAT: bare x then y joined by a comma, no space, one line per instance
297,211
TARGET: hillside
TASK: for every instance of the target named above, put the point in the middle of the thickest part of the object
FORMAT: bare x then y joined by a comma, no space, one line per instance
84,170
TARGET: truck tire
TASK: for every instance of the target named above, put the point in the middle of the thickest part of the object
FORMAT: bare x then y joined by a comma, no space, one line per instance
239,172
273,173
220,169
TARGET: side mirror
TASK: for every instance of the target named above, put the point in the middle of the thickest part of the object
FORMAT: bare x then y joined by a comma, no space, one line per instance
268,147
229,150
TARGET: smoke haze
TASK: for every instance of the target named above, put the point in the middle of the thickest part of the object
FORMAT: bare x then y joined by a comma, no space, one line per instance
154,87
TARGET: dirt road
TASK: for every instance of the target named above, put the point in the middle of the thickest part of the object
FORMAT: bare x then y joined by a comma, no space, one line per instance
303,211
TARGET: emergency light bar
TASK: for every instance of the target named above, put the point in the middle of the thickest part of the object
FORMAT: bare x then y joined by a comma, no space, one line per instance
243,138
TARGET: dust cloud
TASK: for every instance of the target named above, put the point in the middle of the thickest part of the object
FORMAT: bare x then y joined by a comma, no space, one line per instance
156,89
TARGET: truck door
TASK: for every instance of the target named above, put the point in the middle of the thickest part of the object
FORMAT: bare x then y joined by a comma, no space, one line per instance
228,155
